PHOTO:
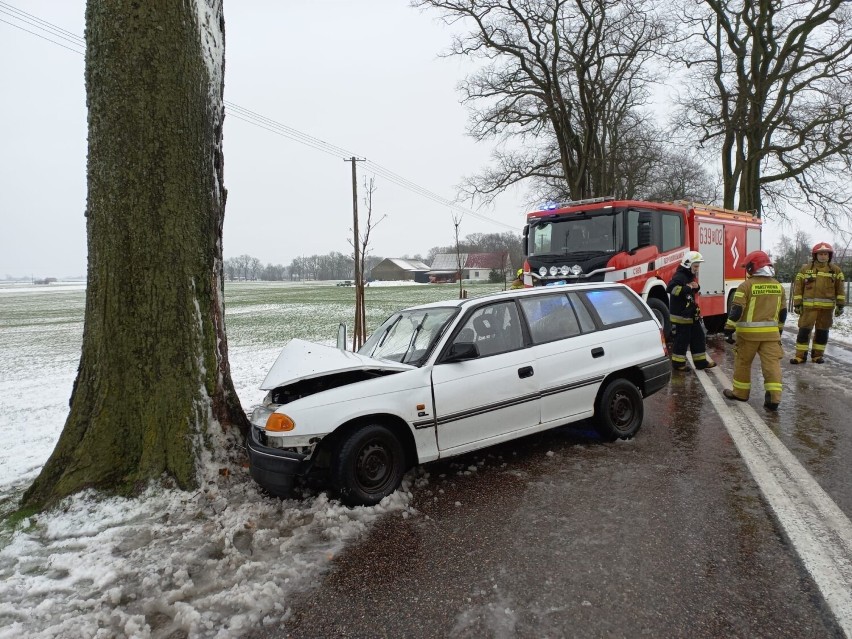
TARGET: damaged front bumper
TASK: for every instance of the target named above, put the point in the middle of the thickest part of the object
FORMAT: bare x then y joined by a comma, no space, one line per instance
275,469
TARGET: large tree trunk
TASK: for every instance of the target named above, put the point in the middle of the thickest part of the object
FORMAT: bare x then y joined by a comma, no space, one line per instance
153,390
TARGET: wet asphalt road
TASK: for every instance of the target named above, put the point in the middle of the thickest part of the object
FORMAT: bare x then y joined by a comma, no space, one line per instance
562,535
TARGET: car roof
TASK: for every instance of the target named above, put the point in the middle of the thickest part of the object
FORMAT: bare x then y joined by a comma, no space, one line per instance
526,292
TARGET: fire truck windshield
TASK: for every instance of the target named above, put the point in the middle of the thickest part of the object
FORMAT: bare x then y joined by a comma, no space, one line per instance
576,233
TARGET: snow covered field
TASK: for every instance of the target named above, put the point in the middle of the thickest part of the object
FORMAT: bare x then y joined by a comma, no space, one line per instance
214,563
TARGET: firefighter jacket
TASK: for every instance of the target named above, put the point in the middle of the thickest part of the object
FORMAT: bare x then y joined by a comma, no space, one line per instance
819,286
683,307
758,310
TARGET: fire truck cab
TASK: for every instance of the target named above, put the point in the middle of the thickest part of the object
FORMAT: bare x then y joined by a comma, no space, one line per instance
641,245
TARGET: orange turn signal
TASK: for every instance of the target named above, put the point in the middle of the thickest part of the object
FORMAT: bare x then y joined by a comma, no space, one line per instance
279,423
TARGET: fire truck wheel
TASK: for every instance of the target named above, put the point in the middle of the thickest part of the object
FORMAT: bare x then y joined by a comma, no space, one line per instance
662,312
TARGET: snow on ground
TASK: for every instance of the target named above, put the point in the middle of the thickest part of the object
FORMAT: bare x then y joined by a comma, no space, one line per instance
214,563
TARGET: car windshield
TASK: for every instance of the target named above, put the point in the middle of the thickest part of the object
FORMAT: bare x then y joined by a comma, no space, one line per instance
408,336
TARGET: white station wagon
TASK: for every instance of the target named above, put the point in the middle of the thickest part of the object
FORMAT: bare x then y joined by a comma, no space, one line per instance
447,378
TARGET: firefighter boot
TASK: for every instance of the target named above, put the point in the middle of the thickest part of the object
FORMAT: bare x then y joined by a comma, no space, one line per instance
702,362
729,394
802,340
818,347
799,358
768,404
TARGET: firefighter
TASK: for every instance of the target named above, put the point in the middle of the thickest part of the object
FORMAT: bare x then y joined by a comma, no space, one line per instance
686,316
757,314
817,293
519,279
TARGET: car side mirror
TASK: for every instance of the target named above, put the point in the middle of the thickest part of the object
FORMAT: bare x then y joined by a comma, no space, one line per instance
461,351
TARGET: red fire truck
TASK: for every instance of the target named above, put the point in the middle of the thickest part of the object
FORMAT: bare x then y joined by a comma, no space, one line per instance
641,244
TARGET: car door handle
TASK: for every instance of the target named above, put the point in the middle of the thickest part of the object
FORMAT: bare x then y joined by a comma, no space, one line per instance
526,371
598,352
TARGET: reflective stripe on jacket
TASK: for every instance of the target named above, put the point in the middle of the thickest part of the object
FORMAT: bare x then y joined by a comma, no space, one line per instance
819,286
759,309
683,308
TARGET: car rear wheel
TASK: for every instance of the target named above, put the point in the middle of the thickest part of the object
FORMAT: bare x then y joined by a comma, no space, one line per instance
368,466
619,410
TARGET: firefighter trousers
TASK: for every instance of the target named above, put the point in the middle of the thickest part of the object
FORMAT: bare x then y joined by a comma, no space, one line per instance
770,353
821,319
692,337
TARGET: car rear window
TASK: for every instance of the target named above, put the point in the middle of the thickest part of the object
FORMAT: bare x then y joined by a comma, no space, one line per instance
616,306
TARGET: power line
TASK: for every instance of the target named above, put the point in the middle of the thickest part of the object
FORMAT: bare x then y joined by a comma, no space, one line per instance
10,9
17,26
250,117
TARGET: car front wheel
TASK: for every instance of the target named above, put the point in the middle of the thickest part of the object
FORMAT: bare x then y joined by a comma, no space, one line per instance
368,466
619,410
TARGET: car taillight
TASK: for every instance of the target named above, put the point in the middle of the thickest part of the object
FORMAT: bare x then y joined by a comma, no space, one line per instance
665,344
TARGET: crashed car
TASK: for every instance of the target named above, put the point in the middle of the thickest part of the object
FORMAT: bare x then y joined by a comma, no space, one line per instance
447,378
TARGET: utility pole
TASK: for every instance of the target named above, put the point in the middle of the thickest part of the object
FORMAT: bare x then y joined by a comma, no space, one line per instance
359,328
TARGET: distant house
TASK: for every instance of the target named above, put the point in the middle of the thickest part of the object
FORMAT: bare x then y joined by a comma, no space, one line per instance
445,267
394,269
479,266
475,266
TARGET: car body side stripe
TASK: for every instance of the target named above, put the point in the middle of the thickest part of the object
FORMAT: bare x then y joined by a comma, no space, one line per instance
566,387
481,410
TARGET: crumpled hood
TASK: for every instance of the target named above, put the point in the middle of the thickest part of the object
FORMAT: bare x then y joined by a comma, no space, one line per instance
300,360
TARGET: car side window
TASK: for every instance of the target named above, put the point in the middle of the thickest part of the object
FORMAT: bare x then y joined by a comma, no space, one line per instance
550,317
587,324
494,329
616,306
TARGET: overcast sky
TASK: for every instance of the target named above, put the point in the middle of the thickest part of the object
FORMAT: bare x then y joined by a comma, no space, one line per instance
361,75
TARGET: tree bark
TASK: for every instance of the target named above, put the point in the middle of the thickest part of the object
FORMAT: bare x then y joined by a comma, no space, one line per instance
153,392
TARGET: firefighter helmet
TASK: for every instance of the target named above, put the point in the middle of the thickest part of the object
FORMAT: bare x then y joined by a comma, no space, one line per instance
822,247
755,261
693,257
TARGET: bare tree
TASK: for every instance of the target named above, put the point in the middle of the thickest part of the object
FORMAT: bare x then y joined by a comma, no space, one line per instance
677,175
561,77
770,91
359,331
243,265
231,268
254,267
153,391
789,254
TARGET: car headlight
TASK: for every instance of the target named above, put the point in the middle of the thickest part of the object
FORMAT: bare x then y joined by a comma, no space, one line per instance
260,415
